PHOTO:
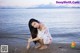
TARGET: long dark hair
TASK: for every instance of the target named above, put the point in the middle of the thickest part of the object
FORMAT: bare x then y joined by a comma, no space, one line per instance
33,30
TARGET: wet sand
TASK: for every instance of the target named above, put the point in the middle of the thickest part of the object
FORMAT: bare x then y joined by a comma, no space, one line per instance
53,48
17,45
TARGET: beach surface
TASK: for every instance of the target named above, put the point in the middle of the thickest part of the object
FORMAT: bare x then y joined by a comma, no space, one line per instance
53,48
19,46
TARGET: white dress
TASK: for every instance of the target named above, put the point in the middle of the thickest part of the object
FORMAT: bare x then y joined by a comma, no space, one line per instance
45,35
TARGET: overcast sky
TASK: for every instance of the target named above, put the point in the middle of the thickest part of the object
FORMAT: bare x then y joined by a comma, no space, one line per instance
27,3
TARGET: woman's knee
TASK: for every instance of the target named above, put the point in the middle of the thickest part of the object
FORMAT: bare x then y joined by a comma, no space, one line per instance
41,41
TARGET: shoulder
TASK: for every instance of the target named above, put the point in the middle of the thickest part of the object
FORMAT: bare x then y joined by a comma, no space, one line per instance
44,28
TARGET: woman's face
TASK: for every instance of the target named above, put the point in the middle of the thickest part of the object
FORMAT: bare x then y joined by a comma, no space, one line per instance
35,24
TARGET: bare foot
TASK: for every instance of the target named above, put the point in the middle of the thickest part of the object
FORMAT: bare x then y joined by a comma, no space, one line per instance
43,47
38,46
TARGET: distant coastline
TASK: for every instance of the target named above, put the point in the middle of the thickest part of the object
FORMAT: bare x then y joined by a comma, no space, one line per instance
42,6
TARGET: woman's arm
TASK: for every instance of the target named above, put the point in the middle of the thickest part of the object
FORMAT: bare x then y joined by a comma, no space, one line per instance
35,39
28,44
30,40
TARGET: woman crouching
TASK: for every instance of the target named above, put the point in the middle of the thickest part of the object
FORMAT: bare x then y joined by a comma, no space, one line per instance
39,34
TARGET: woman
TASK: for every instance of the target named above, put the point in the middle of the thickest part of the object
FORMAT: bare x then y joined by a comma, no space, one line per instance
39,34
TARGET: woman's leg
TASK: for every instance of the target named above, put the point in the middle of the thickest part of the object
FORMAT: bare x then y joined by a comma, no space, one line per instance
43,46
40,43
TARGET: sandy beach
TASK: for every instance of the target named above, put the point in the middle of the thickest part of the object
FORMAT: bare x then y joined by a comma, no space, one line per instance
19,46
53,48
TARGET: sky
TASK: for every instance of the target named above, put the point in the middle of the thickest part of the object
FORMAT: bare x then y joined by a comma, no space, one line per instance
28,3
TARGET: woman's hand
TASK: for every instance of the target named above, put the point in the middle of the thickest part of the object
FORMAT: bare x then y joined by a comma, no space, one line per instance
30,40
